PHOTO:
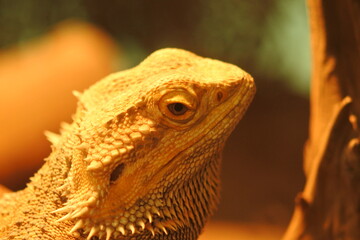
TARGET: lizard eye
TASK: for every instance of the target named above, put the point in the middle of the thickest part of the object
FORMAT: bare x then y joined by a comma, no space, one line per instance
177,108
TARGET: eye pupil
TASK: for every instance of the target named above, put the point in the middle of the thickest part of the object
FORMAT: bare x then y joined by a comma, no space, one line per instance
177,108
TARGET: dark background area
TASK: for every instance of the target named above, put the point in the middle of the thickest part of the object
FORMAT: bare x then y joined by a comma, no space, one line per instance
262,169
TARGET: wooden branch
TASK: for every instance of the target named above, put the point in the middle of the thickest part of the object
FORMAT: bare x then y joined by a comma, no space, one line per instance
329,206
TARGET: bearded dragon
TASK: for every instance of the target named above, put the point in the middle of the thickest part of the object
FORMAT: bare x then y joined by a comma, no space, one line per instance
141,158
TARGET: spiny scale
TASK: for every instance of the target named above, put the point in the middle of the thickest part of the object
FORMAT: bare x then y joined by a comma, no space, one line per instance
79,224
122,230
109,232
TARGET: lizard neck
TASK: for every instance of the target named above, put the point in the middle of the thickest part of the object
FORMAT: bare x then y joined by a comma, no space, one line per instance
195,200
19,210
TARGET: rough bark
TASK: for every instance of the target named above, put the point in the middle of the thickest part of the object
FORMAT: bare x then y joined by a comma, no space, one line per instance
329,206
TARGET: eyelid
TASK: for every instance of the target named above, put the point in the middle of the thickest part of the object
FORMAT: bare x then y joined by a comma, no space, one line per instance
178,96
182,100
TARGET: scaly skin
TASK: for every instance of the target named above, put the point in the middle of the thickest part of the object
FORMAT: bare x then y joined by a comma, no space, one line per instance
141,158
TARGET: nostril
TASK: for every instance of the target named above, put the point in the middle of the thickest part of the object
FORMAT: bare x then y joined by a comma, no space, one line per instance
116,172
219,96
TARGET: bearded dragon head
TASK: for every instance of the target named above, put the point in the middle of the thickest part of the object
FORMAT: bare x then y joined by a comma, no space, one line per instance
146,144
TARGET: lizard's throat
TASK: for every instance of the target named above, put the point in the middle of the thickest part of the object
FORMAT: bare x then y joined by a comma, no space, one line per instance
180,205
